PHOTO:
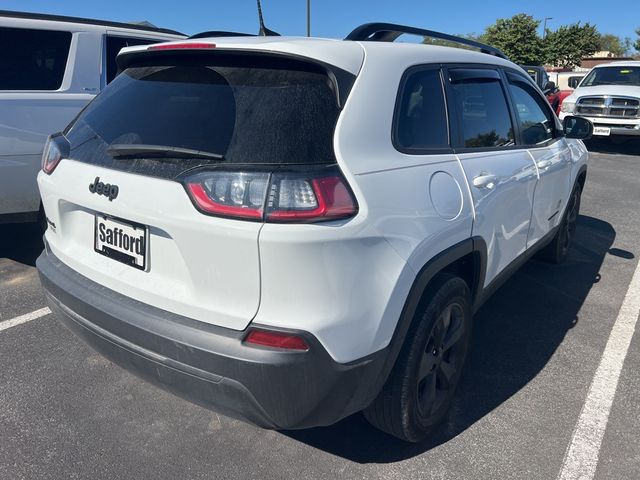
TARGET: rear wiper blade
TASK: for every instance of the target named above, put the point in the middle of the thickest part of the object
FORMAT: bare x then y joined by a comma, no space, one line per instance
127,150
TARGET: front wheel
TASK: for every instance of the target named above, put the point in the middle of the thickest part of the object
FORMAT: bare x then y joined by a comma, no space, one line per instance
558,250
420,388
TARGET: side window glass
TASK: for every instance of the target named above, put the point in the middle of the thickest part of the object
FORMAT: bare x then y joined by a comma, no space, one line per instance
422,119
114,45
536,123
483,111
33,59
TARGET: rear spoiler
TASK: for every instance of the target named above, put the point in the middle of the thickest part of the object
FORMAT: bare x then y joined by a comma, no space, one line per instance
135,56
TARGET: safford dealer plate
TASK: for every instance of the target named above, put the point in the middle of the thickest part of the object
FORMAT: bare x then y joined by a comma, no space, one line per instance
122,240
602,131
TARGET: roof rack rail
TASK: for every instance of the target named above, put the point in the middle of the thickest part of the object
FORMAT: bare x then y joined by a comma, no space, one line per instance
86,21
221,33
389,32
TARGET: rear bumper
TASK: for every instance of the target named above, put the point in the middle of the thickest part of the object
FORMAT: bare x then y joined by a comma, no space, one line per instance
210,365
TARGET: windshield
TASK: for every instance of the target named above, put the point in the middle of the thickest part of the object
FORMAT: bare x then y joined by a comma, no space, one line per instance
612,76
226,112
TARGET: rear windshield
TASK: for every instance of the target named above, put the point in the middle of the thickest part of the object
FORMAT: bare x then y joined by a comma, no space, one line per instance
265,113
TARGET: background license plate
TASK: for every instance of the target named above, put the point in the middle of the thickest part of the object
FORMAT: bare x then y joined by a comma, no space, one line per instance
605,131
124,241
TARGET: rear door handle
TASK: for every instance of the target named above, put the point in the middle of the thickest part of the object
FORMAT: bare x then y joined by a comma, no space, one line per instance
484,180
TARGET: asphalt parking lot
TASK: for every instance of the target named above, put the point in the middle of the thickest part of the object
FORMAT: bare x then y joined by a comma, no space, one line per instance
65,412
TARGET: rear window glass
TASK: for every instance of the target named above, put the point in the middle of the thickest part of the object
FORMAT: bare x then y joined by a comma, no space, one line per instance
266,114
114,45
422,117
484,115
33,59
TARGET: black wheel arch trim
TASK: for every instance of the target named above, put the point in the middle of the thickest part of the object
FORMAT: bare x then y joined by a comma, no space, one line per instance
475,246
582,170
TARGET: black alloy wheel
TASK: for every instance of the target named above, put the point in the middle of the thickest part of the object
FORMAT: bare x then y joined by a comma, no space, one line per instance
441,360
420,388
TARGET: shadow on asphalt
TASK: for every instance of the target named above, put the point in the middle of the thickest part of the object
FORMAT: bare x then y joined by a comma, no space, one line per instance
515,334
628,146
21,242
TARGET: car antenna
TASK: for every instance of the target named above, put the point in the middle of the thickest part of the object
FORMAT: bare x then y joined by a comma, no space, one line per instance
264,31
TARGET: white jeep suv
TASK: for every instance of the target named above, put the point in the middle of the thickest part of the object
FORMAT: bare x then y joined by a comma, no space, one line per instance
609,96
52,66
292,230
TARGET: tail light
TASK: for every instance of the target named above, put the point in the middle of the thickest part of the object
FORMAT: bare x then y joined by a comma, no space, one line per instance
272,339
294,196
230,194
55,149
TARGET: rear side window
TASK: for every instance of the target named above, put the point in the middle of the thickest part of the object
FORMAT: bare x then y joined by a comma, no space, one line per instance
536,123
482,111
33,59
270,112
421,121
114,45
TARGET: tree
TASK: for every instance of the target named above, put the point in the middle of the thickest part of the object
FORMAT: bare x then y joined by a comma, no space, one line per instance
637,44
569,44
517,37
614,44
446,43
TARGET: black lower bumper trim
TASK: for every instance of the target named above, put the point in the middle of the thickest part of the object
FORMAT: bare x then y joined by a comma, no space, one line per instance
208,364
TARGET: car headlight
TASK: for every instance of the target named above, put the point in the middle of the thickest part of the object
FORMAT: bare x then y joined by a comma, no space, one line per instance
568,107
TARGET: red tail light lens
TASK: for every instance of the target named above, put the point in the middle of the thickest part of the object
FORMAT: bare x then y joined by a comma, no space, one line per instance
298,199
55,149
230,194
281,340
294,197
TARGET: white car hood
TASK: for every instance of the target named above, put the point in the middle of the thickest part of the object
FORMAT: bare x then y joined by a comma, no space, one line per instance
615,90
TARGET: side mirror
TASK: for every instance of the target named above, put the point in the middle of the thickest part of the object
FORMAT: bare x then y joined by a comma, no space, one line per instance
573,82
577,127
550,87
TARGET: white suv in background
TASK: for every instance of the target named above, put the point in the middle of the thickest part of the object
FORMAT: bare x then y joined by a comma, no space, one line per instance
52,67
288,233
609,96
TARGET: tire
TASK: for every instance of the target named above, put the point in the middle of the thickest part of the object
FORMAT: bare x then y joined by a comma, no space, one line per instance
421,385
558,250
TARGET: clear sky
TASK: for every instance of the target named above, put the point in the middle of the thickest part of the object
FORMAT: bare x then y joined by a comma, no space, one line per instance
336,18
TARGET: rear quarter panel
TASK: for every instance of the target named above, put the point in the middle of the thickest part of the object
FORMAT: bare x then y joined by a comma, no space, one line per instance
347,282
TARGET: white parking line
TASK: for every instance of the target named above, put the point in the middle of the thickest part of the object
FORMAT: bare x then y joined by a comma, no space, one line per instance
581,459
27,317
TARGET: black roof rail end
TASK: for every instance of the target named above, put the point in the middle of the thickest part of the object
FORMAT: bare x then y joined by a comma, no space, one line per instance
389,32
221,33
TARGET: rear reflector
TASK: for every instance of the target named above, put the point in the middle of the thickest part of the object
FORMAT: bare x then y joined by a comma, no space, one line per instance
182,46
280,340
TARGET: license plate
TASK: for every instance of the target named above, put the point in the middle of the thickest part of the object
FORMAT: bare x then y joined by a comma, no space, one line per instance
604,131
122,240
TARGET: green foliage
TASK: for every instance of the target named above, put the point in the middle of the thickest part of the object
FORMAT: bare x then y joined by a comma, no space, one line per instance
445,43
567,45
614,44
517,37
